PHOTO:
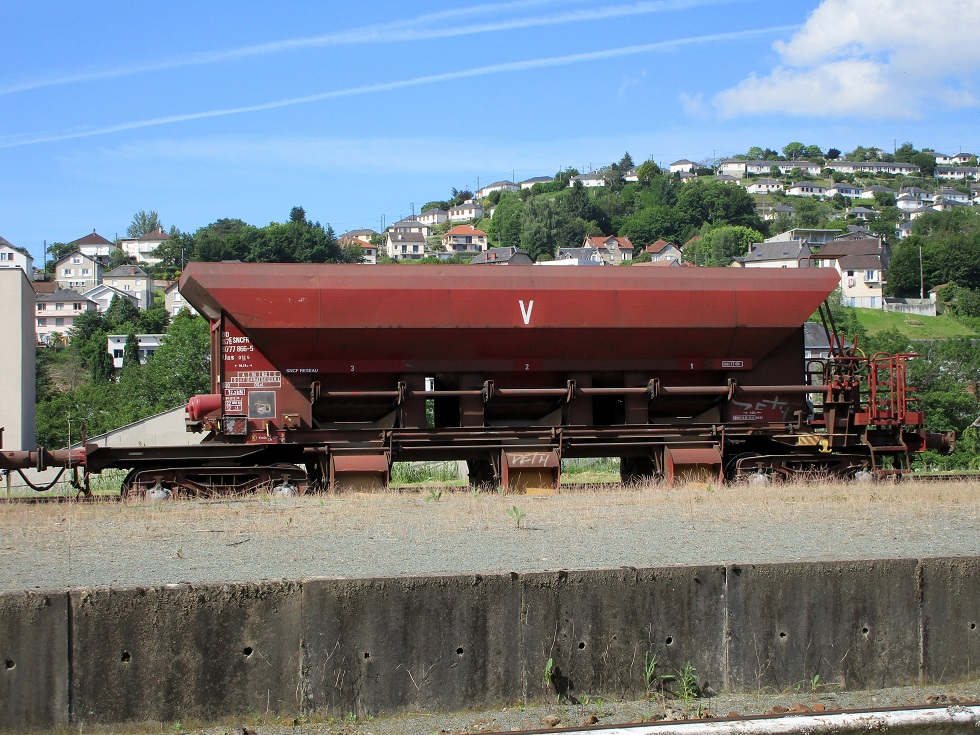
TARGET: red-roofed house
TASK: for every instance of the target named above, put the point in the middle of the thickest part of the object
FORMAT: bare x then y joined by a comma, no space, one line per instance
620,248
465,239
663,250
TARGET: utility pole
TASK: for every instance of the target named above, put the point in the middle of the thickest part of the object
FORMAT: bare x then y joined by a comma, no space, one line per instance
922,283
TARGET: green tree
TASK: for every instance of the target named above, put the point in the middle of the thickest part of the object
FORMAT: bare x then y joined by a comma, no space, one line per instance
926,163
121,313
181,366
101,369
905,153
131,352
718,246
716,203
143,223
794,151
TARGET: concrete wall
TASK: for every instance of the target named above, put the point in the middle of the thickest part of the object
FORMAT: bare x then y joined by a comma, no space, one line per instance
339,645
17,347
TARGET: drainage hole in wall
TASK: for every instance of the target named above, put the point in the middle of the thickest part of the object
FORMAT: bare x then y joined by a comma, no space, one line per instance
459,651
366,655
782,634
247,651
9,664
581,645
864,630
125,658
973,626
669,640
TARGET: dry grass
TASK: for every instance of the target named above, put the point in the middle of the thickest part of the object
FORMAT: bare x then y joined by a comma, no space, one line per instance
418,513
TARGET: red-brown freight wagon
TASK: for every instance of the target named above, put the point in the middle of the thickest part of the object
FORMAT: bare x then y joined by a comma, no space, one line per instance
324,375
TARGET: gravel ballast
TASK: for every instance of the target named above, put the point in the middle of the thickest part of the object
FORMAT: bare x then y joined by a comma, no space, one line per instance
421,533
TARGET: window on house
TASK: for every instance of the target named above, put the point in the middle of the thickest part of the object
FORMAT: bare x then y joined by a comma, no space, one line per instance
42,322
850,274
870,275
117,354
59,306
76,307
41,307
66,271
59,321
6,256
76,261
85,271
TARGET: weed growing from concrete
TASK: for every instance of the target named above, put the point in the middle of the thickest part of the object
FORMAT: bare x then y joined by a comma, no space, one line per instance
687,683
651,679
516,515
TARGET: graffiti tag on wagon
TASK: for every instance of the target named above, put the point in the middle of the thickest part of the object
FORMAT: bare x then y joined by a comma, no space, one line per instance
530,459
767,409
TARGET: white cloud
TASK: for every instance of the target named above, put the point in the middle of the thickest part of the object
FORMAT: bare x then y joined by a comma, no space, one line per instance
868,58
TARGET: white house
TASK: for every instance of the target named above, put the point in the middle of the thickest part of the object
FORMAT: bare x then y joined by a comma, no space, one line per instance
468,210
143,248
402,245
684,165
496,186
78,272
861,264
874,167
764,186
411,224
960,159
95,246
103,294
805,234
953,195
732,167
620,249
56,312
846,190
433,217
132,279
777,254
12,256
957,172
148,344
806,189
589,181
528,183
464,239
174,301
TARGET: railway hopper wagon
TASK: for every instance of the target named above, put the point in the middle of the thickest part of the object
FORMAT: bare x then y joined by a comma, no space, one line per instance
323,376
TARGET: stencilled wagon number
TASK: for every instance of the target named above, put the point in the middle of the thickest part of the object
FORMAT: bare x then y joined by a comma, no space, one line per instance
352,368
527,366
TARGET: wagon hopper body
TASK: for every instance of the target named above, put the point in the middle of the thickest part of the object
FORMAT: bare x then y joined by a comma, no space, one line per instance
513,369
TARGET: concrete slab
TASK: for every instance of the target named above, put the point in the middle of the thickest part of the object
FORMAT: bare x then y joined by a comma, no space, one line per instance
33,660
599,628
168,653
852,623
950,618
386,644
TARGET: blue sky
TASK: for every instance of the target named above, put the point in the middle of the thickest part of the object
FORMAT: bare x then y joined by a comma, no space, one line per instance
358,111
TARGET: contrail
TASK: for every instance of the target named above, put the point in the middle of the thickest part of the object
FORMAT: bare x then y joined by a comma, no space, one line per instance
414,29
479,71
